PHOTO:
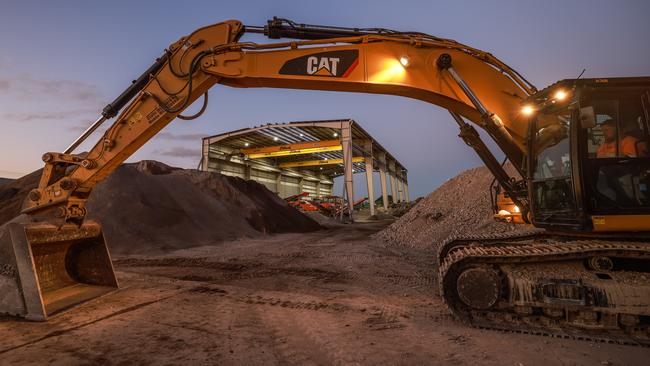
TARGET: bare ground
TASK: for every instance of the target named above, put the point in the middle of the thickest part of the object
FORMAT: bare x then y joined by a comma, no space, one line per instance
321,298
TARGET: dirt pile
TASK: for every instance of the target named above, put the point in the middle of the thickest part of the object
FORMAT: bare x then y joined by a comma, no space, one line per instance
460,206
151,207
13,193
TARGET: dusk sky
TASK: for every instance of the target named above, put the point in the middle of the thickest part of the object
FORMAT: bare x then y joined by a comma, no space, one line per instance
62,61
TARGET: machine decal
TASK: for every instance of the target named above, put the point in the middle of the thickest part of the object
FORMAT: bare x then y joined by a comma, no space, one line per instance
329,64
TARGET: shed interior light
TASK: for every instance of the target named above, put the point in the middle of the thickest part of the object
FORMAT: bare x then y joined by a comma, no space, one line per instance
404,61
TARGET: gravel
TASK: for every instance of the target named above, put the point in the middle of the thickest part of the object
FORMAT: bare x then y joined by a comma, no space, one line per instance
149,207
460,206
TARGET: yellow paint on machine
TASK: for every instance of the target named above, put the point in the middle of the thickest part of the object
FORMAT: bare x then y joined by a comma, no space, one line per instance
621,223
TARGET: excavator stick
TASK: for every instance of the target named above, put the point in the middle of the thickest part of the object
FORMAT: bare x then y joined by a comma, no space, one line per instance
45,269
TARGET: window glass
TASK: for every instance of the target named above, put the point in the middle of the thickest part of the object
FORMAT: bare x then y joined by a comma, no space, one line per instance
620,132
553,159
621,129
622,186
552,187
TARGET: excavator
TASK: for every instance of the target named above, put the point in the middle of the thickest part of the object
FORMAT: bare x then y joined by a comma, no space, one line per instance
583,272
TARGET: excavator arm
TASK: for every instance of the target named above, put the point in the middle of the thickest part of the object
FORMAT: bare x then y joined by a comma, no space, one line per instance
466,81
60,259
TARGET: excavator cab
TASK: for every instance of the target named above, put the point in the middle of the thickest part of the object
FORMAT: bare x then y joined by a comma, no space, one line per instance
45,269
589,166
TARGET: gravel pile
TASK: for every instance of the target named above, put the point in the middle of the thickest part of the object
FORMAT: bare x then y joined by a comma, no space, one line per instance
461,206
149,207
400,209
13,193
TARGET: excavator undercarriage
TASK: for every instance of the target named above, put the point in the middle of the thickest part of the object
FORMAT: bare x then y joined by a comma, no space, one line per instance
563,285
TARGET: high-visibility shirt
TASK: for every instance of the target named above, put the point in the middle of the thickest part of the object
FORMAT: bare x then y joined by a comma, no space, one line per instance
627,148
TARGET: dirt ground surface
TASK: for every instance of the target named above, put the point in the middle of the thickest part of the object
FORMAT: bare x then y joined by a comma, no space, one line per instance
330,297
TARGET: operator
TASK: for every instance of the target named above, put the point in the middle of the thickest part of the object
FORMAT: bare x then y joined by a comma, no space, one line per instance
627,145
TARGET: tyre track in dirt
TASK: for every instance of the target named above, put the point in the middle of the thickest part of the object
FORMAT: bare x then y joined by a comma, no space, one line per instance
286,300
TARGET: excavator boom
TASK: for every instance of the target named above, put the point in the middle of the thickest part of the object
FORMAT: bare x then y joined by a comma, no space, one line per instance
410,65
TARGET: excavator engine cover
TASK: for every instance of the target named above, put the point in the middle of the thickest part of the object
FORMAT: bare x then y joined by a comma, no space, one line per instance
45,269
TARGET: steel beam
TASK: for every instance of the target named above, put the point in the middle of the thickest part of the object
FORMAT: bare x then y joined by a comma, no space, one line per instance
289,147
293,149
307,163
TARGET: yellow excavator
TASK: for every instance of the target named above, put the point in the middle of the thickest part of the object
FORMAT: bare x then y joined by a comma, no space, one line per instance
584,272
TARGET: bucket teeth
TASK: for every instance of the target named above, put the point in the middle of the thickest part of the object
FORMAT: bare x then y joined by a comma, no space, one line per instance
45,269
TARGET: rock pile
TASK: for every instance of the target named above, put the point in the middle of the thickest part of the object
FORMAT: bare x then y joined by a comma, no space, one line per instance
460,206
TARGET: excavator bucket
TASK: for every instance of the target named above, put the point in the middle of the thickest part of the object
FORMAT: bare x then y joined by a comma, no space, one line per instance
45,269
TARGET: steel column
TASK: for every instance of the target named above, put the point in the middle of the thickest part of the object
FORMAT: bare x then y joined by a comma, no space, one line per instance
382,179
369,177
346,143
278,183
398,180
393,181
247,173
406,191
205,157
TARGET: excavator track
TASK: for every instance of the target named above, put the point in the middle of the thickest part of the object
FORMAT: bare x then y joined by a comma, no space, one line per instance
560,285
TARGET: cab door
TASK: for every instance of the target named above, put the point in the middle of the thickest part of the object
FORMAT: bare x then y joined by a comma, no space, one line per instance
614,139
551,178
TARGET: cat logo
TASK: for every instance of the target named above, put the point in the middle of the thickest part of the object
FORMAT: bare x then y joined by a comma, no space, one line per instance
327,64
323,66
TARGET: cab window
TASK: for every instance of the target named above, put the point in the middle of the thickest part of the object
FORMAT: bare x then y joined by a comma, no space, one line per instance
552,184
617,169
620,129
552,145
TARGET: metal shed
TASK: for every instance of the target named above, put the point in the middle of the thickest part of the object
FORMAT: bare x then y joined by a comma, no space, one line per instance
306,156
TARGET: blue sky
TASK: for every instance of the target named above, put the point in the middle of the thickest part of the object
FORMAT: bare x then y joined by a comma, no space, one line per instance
62,61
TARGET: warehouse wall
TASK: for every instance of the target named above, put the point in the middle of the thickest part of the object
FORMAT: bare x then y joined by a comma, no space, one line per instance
289,183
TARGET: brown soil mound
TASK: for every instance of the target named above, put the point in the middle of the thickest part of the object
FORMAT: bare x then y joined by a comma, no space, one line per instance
460,206
13,193
151,207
